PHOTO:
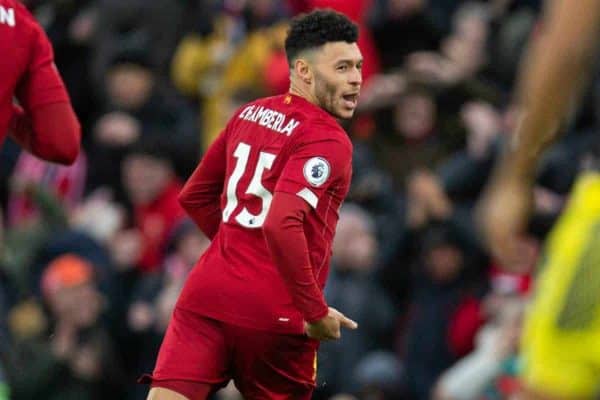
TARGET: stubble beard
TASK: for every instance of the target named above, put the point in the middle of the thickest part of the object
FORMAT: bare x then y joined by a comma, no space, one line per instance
325,94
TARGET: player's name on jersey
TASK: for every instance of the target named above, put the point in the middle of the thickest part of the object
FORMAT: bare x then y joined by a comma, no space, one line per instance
7,16
268,118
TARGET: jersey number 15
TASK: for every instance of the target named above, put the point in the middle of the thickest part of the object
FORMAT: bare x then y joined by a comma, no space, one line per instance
244,217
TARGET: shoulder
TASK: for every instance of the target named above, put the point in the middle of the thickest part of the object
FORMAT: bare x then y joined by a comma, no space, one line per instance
18,15
327,131
28,30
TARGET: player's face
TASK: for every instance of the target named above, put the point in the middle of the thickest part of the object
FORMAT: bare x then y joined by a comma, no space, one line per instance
338,77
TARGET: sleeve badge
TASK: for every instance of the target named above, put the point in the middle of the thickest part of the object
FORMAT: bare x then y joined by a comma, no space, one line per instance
316,171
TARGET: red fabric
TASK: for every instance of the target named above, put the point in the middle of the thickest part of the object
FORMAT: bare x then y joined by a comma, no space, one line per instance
237,280
506,282
203,351
200,197
284,233
155,222
354,9
463,327
277,73
191,390
27,69
49,131
508,385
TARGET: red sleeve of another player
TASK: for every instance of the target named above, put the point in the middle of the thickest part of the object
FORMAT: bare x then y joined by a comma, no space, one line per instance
284,235
316,164
200,197
50,132
41,83
48,128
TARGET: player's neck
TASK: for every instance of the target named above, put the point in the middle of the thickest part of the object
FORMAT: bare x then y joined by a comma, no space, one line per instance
303,92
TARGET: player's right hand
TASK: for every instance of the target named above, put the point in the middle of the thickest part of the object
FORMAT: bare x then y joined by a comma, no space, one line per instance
329,327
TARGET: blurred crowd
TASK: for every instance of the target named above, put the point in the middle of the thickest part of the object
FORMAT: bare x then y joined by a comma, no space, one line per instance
93,256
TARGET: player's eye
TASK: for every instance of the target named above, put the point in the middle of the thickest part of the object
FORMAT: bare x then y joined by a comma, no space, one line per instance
342,67
359,66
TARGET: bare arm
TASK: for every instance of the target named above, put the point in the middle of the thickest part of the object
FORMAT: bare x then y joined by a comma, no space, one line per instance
555,70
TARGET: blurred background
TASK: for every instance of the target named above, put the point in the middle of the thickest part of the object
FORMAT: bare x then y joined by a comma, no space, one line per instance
93,256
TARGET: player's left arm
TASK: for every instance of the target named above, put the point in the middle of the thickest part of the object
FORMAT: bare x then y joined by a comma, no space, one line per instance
315,167
47,125
284,234
200,197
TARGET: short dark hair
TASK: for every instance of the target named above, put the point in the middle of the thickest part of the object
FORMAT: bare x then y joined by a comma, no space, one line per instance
312,30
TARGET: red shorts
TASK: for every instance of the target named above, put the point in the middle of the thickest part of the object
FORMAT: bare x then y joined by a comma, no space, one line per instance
200,355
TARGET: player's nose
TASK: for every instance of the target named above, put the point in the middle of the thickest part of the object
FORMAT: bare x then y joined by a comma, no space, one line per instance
355,77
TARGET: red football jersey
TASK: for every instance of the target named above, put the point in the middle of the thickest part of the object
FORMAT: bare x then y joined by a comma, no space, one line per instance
282,143
27,69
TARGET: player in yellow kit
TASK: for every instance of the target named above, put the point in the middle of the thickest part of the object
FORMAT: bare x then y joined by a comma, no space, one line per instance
561,342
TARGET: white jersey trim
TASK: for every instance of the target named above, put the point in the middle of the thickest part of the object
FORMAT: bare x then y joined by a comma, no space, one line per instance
309,197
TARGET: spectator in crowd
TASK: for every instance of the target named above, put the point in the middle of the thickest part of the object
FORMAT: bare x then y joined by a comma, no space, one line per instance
351,287
489,372
40,194
155,295
465,172
138,108
414,142
65,183
154,25
152,188
77,361
215,68
401,28
443,282
379,376
372,189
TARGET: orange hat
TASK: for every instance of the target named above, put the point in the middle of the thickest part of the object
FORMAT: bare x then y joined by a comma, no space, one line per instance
64,272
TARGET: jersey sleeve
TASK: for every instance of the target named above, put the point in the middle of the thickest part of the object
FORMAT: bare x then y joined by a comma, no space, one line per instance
41,84
284,234
319,162
201,193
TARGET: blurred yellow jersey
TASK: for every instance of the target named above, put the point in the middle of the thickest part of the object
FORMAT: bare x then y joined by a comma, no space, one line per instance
561,341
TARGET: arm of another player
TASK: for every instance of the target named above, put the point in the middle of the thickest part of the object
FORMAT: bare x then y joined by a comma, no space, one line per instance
555,70
50,132
47,125
200,197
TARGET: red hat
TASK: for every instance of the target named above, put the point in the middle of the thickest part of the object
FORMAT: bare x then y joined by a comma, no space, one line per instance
65,271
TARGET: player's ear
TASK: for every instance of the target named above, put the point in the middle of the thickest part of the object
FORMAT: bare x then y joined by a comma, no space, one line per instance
303,70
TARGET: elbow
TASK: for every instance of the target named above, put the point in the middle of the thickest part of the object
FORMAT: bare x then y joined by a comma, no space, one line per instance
67,152
183,200
270,229
63,152
60,145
